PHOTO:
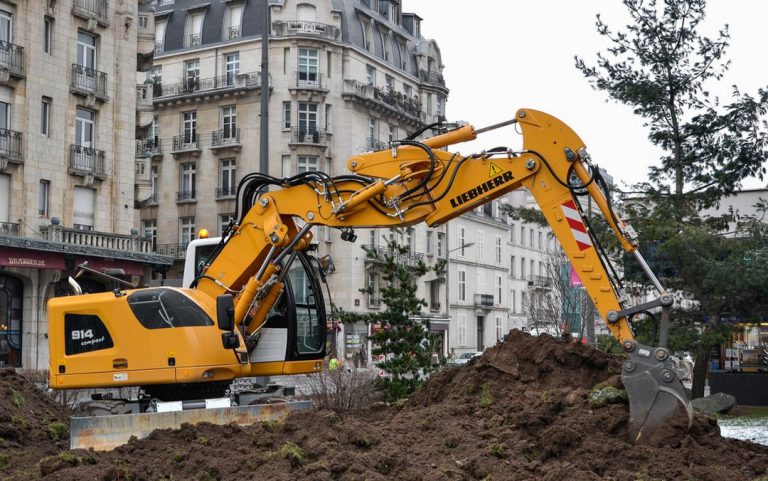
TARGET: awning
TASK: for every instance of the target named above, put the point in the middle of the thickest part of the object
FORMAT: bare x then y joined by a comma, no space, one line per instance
100,264
30,259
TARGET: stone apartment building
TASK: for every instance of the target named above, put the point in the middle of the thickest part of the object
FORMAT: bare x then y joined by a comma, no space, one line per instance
345,76
67,129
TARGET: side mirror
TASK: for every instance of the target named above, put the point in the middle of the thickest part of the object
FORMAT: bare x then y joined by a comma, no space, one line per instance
225,312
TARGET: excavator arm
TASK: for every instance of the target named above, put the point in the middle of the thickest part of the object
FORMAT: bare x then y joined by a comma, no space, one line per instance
261,290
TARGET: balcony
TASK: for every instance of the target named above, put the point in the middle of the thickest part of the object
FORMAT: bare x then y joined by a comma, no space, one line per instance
305,28
233,32
10,147
185,144
148,148
86,161
88,82
90,240
186,196
226,192
389,102
11,63
177,251
303,136
93,11
145,112
225,138
483,300
410,259
195,88
431,77
145,51
539,282
9,228
309,81
376,144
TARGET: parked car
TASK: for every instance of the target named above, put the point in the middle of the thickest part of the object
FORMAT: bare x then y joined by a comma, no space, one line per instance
463,358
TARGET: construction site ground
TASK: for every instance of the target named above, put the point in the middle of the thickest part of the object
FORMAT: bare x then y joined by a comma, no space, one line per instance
522,411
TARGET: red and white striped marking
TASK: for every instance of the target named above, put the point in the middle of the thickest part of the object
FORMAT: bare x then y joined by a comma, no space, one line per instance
577,225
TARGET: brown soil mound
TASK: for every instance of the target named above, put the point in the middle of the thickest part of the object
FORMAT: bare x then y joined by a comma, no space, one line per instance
32,426
518,412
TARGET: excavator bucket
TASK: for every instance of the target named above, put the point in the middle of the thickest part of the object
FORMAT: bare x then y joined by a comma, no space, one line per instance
656,394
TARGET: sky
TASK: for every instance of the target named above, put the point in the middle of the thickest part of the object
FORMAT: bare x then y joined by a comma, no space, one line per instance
501,55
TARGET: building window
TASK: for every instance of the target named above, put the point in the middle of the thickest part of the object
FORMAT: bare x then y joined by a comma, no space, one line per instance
407,91
374,299
186,230
149,228
48,35
499,329
480,281
370,75
224,220
308,67
462,234
429,242
192,75
462,285
307,163
522,268
498,289
187,182
229,122
227,178
512,233
286,115
286,164
512,268
194,30
328,118
513,298
532,272
86,51
440,243
307,121
480,246
42,206
45,116
232,67
367,35
498,250
429,104
530,237
84,123
461,332
189,128
160,36
386,44
540,243
153,179
373,129
84,204
235,14
392,135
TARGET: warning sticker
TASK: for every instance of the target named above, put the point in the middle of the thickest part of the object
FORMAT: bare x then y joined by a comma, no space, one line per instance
121,376
494,170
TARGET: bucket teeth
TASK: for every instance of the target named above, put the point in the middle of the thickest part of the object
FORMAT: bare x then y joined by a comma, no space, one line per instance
654,390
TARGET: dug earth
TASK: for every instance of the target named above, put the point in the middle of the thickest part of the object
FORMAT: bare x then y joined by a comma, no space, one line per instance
525,410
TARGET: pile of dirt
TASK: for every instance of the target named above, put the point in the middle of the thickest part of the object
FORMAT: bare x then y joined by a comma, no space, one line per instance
32,426
521,411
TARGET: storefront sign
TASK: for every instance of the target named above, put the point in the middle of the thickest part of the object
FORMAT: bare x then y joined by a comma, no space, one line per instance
30,259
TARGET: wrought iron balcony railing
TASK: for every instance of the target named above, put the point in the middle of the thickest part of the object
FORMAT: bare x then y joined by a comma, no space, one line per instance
397,102
177,251
225,137
185,195
182,143
540,282
302,27
193,85
408,258
92,9
89,81
86,160
12,58
300,135
10,145
483,300
309,80
148,147
434,78
376,144
224,192
9,228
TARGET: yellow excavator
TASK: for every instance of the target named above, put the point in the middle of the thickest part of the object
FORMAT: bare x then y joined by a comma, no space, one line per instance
256,308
